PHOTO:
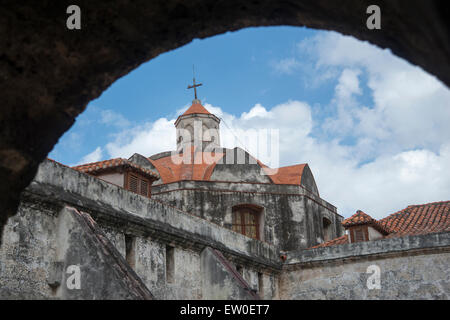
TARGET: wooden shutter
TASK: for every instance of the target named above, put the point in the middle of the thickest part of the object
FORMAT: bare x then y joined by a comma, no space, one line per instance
245,221
359,235
144,188
133,183
138,184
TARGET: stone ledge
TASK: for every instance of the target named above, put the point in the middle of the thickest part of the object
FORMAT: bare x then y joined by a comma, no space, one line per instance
116,206
229,186
383,247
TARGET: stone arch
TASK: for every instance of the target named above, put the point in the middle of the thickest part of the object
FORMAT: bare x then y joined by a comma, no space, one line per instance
61,71
327,229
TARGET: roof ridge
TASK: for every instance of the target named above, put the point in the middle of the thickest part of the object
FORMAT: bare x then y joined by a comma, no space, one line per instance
94,162
430,203
111,163
336,241
196,108
293,165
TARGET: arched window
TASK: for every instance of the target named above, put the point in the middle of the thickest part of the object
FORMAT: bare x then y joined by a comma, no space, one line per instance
206,133
326,229
246,220
188,133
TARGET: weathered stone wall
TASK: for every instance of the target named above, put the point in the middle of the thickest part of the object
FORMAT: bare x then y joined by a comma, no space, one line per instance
39,246
39,240
415,267
221,281
27,251
292,215
31,238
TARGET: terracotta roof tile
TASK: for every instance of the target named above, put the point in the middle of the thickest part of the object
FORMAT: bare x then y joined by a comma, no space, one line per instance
200,168
285,175
101,166
341,240
413,220
289,175
419,219
360,218
196,108
197,167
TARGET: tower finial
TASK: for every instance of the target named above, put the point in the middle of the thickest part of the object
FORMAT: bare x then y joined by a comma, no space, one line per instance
194,86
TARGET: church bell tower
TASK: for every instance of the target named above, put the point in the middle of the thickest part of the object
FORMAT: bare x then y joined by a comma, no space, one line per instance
197,126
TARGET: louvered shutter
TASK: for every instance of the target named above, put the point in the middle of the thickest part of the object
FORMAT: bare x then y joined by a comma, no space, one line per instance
133,183
359,235
144,188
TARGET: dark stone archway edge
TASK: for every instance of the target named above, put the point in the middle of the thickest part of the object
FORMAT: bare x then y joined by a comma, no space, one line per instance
49,74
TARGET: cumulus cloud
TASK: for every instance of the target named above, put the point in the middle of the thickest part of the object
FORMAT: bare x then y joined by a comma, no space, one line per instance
399,155
410,108
94,156
146,139
378,156
286,66
110,117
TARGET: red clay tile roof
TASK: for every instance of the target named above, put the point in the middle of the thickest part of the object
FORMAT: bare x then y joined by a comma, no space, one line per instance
413,220
358,218
419,219
198,167
196,108
101,166
201,170
341,240
287,175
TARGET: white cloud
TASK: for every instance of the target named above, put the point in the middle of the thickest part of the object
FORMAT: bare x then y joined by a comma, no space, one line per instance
111,117
411,108
94,156
404,135
146,139
286,66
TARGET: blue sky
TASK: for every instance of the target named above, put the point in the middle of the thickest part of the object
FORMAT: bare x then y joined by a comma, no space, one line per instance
373,128
236,70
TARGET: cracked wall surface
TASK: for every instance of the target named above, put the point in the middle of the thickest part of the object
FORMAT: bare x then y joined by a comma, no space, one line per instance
43,239
412,267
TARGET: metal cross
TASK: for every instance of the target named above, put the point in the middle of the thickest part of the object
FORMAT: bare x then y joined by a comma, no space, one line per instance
194,85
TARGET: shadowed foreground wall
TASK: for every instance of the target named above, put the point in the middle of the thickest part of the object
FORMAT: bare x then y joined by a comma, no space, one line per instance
45,237
36,258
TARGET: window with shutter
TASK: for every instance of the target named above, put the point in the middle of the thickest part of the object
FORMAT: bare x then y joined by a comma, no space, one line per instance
245,221
138,185
359,235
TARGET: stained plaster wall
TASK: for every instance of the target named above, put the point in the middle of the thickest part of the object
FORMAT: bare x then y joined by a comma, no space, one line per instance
413,267
292,216
40,244
120,213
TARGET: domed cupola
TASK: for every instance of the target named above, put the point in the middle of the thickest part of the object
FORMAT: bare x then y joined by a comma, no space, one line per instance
197,126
